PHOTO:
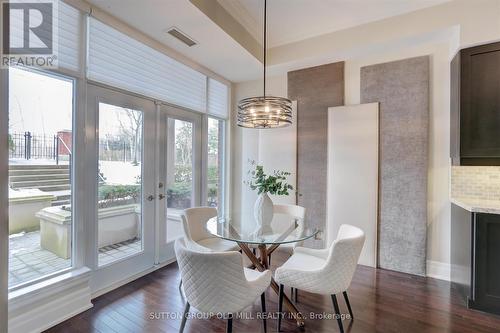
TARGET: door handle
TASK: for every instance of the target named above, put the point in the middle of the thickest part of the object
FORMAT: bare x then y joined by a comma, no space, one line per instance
161,196
150,197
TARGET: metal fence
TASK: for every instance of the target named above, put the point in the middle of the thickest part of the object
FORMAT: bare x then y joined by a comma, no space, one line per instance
114,151
29,146
119,149
33,146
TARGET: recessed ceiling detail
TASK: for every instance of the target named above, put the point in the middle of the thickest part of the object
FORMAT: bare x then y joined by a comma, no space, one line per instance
295,20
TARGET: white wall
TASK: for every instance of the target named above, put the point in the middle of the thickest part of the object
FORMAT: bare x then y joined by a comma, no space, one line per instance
353,174
438,31
438,219
275,149
479,22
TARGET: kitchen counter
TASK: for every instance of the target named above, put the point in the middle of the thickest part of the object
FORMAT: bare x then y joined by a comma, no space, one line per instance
477,205
475,245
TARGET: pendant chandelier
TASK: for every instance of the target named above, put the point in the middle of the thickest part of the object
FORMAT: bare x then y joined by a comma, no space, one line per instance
265,111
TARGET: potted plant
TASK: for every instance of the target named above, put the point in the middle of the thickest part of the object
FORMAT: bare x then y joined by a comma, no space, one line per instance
267,184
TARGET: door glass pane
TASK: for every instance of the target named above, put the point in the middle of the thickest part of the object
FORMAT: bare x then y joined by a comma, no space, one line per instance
119,183
179,173
214,162
40,149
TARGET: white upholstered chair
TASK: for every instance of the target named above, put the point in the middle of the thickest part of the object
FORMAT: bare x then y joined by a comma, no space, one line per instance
297,212
327,271
197,237
217,283
194,222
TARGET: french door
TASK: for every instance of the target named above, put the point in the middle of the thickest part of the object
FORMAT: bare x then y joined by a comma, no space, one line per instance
123,148
148,168
180,172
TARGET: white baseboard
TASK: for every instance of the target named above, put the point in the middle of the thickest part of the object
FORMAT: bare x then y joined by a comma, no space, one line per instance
39,307
438,270
123,282
42,306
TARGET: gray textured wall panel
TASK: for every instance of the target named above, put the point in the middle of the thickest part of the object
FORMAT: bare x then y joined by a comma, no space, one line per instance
315,89
402,88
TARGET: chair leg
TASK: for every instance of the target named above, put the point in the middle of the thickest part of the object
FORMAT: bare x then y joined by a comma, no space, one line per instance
337,312
254,251
348,304
280,306
296,295
263,304
229,326
184,317
291,293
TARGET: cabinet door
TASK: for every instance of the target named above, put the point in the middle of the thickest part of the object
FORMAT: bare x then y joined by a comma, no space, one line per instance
487,263
480,105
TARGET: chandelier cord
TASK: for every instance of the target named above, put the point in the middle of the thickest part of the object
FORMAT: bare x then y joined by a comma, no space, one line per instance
265,43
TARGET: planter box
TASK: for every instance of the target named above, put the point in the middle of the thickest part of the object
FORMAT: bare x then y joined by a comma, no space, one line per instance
23,206
116,224
55,231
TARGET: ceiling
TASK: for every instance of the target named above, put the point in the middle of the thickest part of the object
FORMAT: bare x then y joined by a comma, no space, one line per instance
216,50
288,21
294,20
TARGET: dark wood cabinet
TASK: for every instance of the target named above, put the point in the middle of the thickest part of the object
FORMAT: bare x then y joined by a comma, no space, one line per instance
475,258
475,106
487,263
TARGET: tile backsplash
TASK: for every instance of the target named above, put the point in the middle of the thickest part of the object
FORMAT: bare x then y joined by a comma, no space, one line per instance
475,182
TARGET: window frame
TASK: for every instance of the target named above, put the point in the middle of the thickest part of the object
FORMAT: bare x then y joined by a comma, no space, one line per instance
75,181
221,155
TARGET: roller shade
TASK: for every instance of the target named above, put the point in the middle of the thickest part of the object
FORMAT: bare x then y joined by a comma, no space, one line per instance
121,61
66,37
70,36
217,98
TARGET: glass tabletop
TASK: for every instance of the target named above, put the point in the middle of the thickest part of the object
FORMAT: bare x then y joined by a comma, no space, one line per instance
283,229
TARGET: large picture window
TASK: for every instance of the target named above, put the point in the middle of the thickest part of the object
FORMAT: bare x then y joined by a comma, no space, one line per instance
40,162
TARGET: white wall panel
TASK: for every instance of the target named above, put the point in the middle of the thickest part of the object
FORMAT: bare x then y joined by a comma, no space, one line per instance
353,133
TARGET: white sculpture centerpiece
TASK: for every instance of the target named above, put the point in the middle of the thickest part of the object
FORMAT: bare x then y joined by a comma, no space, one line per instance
274,184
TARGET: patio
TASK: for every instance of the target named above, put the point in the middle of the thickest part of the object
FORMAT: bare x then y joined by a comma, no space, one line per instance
28,261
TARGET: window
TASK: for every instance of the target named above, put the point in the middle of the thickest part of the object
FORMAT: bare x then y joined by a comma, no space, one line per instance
119,181
215,149
180,177
40,167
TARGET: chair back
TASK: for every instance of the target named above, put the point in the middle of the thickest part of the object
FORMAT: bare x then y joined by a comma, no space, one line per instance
297,212
293,210
194,222
343,257
214,282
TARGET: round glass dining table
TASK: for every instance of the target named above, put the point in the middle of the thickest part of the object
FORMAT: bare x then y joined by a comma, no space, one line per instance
245,232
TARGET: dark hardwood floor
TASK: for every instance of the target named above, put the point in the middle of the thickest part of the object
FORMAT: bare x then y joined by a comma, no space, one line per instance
382,301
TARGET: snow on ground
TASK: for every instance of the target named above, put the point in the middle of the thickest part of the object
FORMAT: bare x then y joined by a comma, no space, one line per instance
116,172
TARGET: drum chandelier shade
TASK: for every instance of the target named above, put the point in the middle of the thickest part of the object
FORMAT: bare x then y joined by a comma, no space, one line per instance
265,111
